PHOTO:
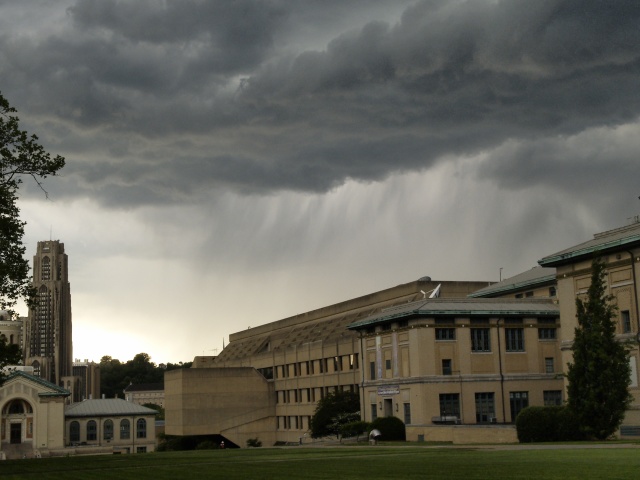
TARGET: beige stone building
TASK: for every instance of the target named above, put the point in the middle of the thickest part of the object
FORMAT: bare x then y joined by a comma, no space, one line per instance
438,363
32,416
620,250
110,425
267,381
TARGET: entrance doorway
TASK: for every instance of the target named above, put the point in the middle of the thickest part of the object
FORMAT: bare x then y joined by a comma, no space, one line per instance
388,407
16,433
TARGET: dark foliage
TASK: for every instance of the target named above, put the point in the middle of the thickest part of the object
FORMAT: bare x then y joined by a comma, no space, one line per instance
391,428
333,411
115,376
548,424
599,376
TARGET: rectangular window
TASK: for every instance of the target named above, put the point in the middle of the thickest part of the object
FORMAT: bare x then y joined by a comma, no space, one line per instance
480,341
387,364
515,339
374,411
546,333
552,397
626,321
446,366
528,294
445,333
450,405
407,413
372,370
485,408
518,401
549,366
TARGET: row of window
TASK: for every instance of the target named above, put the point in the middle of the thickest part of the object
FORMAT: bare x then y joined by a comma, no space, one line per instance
293,422
310,395
481,337
337,363
107,430
484,403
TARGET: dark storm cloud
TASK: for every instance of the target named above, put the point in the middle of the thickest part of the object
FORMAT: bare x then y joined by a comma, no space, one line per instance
201,95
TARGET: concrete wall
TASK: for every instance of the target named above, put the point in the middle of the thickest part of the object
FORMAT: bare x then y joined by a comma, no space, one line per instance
238,403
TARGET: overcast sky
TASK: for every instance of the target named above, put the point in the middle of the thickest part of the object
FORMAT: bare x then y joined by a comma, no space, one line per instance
234,163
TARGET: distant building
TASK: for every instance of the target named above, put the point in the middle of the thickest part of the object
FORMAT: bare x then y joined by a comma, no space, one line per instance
12,329
539,282
48,334
142,393
84,384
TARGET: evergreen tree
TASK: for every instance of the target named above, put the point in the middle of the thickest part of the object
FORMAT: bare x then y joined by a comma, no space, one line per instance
599,377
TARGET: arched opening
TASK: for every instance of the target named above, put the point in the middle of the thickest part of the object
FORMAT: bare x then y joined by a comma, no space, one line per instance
124,429
17,421
108,430
141,428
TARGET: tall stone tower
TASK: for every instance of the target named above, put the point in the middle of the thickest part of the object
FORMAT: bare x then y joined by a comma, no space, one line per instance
48,341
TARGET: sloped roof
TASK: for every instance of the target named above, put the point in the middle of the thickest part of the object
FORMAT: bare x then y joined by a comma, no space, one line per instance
531,278
611,240
464,307
106,407
54,390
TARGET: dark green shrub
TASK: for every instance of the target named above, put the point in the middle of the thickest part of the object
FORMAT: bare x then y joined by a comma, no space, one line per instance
391,428
207,445
253,442
548,424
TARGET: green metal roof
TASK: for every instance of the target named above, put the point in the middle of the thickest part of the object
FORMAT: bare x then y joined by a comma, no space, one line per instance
612,240
463,307
534,277
55,390
106,407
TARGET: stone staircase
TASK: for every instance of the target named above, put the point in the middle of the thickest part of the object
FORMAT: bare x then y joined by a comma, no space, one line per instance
14,451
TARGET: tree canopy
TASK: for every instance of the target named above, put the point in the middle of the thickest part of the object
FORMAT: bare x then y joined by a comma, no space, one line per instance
20,156
10,354
599,376
115,375
333,411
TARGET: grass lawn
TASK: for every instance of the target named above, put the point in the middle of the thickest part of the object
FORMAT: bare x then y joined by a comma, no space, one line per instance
364,462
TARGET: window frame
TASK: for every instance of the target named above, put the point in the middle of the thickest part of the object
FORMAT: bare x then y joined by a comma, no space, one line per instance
480,339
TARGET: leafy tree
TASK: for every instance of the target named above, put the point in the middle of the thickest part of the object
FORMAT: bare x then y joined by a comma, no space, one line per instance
333,411
10,354
599,376
20,156
115,376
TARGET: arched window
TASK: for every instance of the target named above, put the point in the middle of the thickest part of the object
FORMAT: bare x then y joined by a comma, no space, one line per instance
107,430
92,430
124,429
141,428
74,432
16,407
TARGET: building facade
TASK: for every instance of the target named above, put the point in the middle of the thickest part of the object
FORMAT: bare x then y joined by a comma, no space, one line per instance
439,363
619,249
268,379
113,423
31,416
143,393
47,344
